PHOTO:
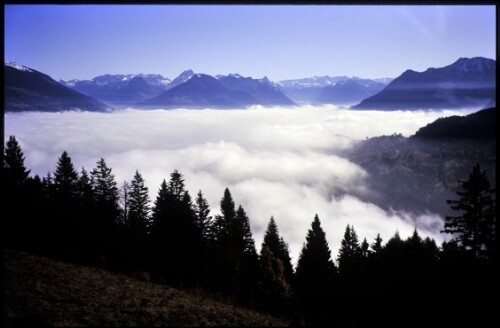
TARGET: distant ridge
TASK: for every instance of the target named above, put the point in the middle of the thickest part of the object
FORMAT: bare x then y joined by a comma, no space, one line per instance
349,91
341,90
121,89
476,126
224,92
467,83
29,90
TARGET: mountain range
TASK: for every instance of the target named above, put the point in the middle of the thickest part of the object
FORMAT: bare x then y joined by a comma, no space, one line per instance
349,91
465,83
468,82
339,90
232,91
121,89
29,90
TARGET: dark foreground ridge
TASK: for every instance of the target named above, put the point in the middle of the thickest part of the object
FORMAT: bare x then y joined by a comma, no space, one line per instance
46,292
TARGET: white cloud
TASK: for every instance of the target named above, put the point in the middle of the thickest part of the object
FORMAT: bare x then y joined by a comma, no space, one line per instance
281,162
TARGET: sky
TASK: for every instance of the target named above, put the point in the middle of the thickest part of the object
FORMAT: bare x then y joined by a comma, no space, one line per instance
280,42
285,163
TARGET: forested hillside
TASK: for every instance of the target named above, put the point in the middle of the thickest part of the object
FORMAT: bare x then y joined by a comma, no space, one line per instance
86,219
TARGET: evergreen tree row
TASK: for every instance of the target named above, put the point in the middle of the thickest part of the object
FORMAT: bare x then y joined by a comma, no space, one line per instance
87,219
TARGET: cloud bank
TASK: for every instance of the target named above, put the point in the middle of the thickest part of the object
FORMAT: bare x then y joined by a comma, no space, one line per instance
281,162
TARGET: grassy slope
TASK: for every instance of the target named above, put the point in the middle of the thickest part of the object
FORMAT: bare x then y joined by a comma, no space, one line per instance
42,291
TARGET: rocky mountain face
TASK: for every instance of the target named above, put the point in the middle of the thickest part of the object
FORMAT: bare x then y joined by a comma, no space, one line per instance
29,90
467,83
232,91
121,90
350,91
338,90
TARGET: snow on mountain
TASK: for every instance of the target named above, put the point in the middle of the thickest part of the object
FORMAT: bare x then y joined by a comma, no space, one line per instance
315,81
18,66
183,77
26,89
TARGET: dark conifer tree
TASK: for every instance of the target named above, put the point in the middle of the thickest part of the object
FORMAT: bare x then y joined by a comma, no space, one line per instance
393,261
227,207
349,254
365,249
124,194
176,185
474,228
15,175
287,260
160,207
203,218
377,245
138,205
373,266
245,260
278,248
107,212
65,177
84,189
271,237
351,268
176,237
315,277
233,250
104,185
222,223
274,284
65,222
89,222
414,258
204,224
135,255
15,170
243,234
159,233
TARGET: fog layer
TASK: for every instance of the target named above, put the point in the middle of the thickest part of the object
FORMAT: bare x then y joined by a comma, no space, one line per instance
280,162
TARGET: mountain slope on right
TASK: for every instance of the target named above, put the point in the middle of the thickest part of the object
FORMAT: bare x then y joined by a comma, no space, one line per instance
476,126
467,83
418,174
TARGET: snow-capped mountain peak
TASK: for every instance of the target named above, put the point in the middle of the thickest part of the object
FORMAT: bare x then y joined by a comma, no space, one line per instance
69,83
18,66
235,75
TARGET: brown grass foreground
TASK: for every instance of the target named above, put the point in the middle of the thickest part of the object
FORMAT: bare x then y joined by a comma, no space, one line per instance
46,292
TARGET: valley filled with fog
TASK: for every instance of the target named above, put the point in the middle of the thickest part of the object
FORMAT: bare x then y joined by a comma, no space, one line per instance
285,163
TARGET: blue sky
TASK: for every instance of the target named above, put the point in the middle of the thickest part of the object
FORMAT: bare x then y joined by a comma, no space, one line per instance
280,42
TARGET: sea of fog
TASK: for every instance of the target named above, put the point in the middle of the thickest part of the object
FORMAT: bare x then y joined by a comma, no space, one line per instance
277,162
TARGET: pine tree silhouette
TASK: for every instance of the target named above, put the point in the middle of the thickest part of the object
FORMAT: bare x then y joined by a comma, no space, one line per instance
176,238
274,286
137,225
203,218
138,205
315,277
107,212
15,175
15,170
349,257
474,229
64,230
377,245
89,222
